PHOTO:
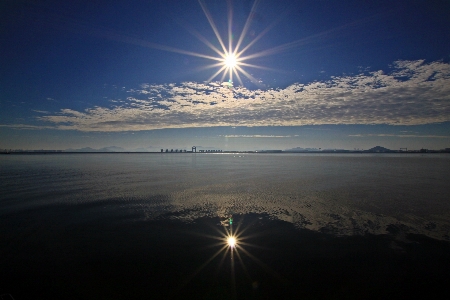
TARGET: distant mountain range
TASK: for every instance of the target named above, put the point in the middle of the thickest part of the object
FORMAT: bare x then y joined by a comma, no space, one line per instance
376,149
115,149
379,149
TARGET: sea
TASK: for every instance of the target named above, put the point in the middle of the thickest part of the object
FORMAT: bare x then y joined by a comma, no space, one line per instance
157,226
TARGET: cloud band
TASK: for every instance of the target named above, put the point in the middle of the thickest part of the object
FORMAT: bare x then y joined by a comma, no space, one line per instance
414,93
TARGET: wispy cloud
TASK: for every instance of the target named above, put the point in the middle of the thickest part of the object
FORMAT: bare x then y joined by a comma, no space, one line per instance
26,126
256,136
401,135
414,93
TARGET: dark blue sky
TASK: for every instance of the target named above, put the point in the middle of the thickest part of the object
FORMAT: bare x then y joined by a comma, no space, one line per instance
130,74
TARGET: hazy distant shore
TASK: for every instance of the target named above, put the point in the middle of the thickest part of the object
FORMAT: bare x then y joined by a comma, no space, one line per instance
224,152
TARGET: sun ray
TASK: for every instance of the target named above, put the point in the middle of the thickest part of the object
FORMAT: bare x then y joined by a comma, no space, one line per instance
243,266
257,38
213,25
192,275
301,42
246,27
202,39
223,75
240,82
241,243
257,67
143,43
252,79
210,66
222,260
230,23
261,264
217,73
233,276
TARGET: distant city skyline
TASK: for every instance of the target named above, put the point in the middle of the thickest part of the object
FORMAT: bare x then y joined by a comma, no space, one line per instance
200,149
159,74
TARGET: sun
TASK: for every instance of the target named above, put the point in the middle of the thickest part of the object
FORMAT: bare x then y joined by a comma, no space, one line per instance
230,61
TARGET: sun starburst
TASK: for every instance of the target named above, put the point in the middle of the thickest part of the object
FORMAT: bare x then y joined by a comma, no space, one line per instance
230,59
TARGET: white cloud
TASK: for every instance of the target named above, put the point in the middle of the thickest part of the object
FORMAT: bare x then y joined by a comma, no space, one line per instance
414,93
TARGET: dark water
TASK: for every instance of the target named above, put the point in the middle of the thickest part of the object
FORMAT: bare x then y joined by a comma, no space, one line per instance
148,226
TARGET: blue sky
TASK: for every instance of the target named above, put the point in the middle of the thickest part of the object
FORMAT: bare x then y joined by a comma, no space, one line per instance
140,74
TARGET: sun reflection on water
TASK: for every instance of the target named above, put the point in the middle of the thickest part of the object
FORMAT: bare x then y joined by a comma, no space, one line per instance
233,249
231,241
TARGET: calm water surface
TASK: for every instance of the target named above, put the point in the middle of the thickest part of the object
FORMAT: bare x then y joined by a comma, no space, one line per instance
346,192
132,225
